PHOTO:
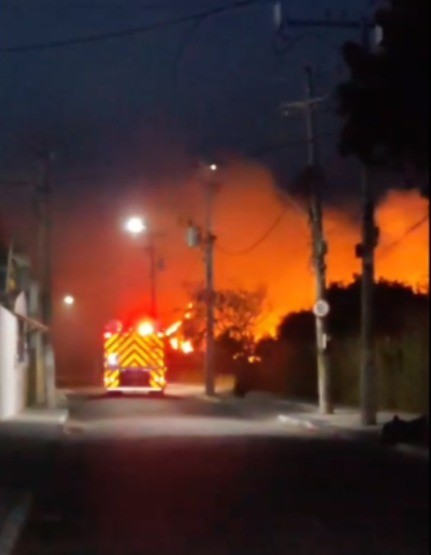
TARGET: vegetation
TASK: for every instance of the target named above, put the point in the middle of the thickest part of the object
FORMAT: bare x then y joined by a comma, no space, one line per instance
385,104
237,312
288,364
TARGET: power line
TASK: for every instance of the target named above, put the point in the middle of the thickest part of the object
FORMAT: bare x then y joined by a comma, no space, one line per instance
129,32
277,147
266,150
188,37
153,6
389,248
290,44
259,241
156,6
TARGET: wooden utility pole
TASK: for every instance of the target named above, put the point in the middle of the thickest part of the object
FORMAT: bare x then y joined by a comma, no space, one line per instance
151,249
315,213
43,208
44,219
320,250
205,238
366,251
209,242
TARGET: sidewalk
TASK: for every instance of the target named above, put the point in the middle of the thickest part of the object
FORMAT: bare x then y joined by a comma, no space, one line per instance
14,508
32,418
345,422
41,415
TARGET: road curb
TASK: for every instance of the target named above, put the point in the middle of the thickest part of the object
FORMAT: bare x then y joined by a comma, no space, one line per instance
404,448
42,416
413,451
300,422
13,524
208,399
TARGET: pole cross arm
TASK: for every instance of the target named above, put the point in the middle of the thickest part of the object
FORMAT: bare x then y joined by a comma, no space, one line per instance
288,107
32,323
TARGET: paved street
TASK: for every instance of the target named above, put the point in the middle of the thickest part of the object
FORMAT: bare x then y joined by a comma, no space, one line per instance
177,476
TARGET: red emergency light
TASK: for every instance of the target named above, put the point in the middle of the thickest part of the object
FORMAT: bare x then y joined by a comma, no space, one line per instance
112,328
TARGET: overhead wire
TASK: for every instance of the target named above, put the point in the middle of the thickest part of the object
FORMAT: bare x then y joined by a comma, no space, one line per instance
128,32
290,200
389,248
106,6
259,241
277,147
151,6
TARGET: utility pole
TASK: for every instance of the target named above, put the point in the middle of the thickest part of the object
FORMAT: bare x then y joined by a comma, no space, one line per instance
205,238
370,232
153,275
44,257
43,208
209,243
320,249
136,226
366,251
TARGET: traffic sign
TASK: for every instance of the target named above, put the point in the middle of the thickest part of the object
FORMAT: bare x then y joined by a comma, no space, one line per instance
321,309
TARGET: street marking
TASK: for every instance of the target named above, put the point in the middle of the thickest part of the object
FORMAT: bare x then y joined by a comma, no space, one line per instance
13,525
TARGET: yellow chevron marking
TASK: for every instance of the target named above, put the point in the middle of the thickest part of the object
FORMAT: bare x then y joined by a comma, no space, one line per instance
136,351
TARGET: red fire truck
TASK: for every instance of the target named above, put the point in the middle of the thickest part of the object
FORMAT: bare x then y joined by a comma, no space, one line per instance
134,357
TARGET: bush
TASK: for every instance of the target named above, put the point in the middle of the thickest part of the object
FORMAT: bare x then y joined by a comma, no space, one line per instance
288,364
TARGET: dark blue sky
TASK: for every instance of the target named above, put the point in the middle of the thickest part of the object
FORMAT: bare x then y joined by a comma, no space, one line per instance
130,106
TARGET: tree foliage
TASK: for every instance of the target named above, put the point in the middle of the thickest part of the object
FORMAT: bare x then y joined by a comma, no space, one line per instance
237,312
385,104
394,303
288,362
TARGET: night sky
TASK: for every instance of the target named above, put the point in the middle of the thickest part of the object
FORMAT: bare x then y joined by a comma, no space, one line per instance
127,120
145,103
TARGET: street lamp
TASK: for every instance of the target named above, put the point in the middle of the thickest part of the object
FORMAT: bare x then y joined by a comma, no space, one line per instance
135,225
69,300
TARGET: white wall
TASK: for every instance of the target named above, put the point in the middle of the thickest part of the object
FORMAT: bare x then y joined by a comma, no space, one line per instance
13,373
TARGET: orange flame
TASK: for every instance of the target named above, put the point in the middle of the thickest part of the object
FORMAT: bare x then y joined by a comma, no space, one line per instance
245,207
175,343
187,347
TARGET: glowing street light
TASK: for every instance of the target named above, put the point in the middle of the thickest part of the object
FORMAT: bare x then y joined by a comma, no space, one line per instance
69,300
145,329
135,225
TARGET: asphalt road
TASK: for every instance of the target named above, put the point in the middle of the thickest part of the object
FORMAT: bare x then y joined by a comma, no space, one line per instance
178,477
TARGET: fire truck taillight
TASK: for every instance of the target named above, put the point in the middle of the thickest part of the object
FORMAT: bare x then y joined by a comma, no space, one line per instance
145,328
113,359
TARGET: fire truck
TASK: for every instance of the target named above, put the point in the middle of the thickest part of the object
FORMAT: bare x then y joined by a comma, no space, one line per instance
134,358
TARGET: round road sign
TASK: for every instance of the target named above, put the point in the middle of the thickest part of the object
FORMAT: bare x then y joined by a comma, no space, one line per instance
321,309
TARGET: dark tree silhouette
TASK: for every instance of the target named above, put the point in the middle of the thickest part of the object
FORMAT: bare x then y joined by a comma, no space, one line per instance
394,304
385,104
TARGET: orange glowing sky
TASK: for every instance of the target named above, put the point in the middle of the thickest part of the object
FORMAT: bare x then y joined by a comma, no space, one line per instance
246,205
107,271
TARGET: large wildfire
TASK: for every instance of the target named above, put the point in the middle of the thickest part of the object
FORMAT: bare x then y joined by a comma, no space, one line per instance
108,270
